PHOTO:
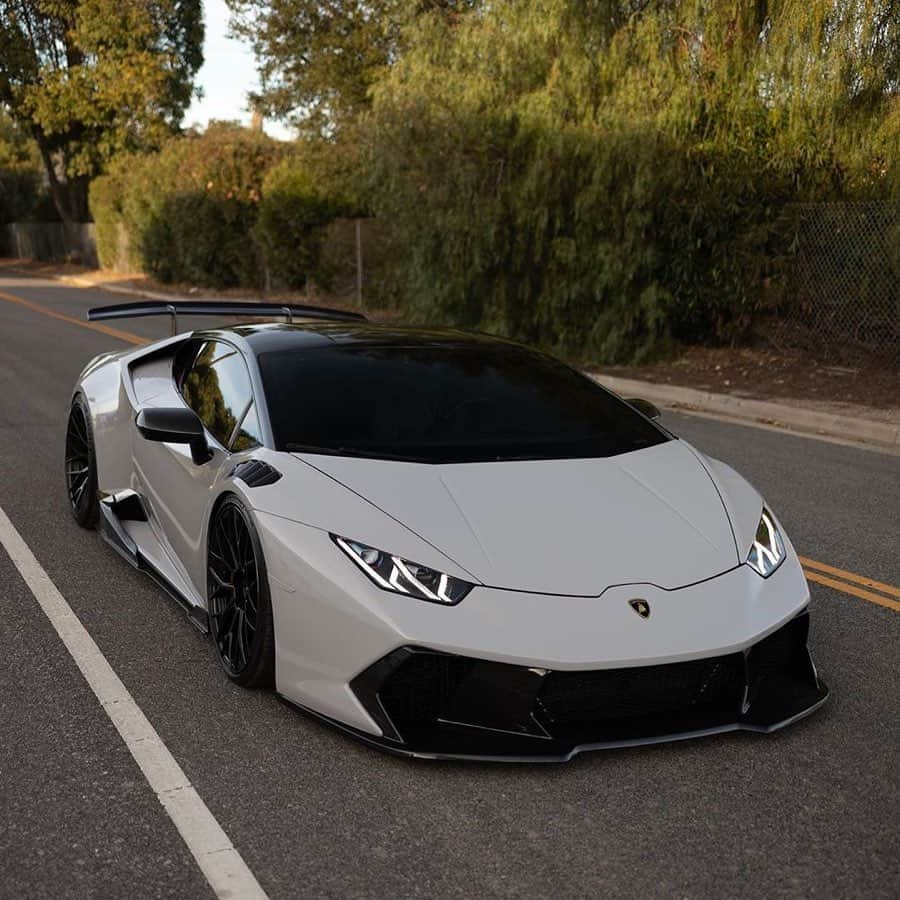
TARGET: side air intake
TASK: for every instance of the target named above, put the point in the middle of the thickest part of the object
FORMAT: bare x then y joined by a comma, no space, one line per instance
256,473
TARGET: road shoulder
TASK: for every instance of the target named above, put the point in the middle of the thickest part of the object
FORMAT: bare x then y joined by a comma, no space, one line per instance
856,424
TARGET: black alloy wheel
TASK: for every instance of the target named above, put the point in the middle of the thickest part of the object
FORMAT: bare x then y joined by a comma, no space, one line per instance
81,466
237,589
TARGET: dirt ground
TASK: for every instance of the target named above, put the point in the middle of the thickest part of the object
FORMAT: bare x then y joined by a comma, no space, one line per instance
770,374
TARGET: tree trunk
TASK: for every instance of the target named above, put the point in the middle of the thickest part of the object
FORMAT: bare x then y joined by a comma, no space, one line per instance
70,196
77,189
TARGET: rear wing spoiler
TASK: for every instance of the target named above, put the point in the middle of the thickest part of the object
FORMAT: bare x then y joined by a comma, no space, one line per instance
177,308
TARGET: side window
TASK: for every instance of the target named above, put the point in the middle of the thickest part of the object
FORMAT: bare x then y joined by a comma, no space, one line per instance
249,435
183,361
218,389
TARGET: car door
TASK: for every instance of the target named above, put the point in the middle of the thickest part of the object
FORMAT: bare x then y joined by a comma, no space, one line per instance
215,383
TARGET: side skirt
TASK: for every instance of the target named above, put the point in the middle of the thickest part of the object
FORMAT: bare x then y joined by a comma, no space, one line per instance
127,505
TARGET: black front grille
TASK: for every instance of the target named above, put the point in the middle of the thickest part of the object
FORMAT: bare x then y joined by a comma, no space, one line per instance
421,688
443,703
569,698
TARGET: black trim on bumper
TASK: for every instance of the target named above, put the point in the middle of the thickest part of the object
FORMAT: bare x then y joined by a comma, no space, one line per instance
440,705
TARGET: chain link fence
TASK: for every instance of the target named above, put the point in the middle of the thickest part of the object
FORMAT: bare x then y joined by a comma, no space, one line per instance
356,257
50,241
847,276
845,302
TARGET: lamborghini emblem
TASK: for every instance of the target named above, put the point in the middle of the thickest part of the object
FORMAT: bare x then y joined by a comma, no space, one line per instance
641,607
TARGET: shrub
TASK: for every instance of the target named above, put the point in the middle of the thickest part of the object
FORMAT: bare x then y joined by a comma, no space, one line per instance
20,194
293,214
190,210
23,197
106,195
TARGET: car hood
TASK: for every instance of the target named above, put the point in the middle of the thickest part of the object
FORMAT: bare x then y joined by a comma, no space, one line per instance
572,527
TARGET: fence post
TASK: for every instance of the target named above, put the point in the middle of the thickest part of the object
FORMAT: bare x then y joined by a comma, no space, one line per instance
359,265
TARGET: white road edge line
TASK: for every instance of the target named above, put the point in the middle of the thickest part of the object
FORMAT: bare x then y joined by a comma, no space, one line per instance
224,868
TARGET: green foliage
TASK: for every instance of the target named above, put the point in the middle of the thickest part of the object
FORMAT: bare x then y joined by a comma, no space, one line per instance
190,210
94,78
291,226
22,197
319,60
602,178
106,196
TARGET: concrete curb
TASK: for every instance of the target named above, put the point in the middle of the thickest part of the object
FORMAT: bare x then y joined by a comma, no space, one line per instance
77,281
81,282
795,418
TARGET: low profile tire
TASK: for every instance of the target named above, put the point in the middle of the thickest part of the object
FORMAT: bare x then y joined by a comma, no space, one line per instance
237,590
81,466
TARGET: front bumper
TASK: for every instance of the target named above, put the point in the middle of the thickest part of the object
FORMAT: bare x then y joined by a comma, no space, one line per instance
341,644
435,704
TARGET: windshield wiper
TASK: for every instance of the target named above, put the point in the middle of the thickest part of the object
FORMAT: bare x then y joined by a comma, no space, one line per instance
311,448
292,447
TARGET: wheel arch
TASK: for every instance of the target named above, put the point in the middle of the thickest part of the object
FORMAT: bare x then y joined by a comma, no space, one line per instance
100,386
229,489
81,464
263,666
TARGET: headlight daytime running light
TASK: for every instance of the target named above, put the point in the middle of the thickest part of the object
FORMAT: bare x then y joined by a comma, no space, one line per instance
767,552
401,576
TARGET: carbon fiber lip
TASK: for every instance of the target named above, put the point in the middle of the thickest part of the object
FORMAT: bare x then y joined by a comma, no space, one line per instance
556,759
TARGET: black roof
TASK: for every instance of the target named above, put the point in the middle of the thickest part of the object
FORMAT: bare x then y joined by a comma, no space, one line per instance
270,336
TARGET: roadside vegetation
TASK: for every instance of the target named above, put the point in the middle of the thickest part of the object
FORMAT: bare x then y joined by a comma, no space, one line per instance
603,179
88,79
22,198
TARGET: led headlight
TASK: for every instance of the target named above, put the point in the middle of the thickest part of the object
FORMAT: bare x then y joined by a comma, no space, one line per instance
403,576
767,552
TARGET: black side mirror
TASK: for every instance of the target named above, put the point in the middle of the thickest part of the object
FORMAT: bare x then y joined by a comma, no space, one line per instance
645,407
175,425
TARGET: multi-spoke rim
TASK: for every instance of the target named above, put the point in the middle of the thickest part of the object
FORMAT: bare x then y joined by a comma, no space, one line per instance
78,456
233,588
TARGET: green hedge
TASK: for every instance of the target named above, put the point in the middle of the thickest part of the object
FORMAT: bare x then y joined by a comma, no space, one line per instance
605,183
188,210
23,194
20,193
222,209
291,225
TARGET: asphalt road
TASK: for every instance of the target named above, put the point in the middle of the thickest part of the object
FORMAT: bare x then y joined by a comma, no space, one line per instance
811,811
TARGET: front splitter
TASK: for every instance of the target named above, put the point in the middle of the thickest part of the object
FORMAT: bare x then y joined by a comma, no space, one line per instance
562,756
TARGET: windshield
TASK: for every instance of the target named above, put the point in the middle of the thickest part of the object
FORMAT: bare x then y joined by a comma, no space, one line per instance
444,404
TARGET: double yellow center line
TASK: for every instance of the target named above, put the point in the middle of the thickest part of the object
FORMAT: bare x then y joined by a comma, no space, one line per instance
856,585
117,333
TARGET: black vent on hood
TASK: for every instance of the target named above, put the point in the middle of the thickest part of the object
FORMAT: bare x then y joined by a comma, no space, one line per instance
255,473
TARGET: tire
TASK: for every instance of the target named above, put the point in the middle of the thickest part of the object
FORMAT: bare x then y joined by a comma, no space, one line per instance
81,466
237,592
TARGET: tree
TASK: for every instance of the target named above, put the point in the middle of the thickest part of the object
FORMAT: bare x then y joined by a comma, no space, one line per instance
318,59
91,78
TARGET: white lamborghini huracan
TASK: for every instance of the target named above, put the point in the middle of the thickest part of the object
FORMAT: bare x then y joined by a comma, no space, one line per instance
447,544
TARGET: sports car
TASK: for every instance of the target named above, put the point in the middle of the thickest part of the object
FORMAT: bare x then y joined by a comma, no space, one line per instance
447,544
